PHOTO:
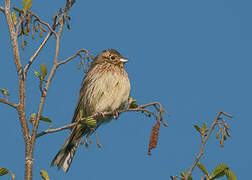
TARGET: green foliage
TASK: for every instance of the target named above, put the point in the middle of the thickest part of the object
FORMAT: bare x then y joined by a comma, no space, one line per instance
197,128
42,118
91,122
13,176
203,169
37,74
43,71
27,4
14,17
219,171
3,171
44,175
183,174
5,92
132,103
20,11
230,175
202,130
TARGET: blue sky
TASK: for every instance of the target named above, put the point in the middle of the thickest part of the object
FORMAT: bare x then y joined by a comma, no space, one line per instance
192,56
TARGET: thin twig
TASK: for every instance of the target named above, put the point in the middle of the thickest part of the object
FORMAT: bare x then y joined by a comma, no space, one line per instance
42,22
204,142
5,101
141,108
2,9
71,57
44,94
36,53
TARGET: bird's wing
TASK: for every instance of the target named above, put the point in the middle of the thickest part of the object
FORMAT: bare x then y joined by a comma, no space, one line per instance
79,104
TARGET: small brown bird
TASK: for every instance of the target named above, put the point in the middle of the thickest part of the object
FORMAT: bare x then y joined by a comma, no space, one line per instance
105,88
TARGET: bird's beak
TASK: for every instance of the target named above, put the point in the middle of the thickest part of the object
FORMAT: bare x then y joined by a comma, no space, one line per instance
123,60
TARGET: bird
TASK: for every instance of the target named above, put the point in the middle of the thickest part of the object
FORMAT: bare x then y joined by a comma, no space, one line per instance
105,88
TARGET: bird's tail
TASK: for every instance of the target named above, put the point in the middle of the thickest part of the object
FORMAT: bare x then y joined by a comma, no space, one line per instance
66,153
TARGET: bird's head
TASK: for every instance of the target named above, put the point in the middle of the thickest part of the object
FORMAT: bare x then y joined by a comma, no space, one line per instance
111,56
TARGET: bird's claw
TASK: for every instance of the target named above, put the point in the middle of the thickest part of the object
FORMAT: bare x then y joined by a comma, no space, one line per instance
115,114
102,114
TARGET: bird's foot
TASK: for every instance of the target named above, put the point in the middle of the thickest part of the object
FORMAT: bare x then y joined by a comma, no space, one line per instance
115,114
102,114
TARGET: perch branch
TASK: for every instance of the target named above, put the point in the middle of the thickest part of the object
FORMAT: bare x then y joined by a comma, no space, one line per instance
141,108
204,142
5,101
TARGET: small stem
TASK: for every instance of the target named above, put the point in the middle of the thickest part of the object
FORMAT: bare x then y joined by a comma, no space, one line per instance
37,52
71,57
203,145
5,101
2,9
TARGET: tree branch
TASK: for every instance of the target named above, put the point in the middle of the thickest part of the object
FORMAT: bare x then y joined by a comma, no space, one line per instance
14,42
2,9
141,108
204,142
71,57
36,53
22,86
44,93
42,22
5,101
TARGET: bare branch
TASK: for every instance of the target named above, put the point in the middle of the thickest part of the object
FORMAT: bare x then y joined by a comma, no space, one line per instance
44,94
36,53
204,142
68,126
14,42
13,36
141,108
2,9
5,101
22,87
42,22
71,57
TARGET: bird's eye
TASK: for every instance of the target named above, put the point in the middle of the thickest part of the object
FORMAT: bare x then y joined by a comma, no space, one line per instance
112,57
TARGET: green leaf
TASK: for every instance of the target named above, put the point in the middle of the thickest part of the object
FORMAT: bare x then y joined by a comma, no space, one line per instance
219,171
203,169
133,105
230,175
27,4
197,128
14,17
43,70
37,74
13,176
32,118
42,118
204,125
18,10
5,92
3,171
91,122
44,175
183,174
